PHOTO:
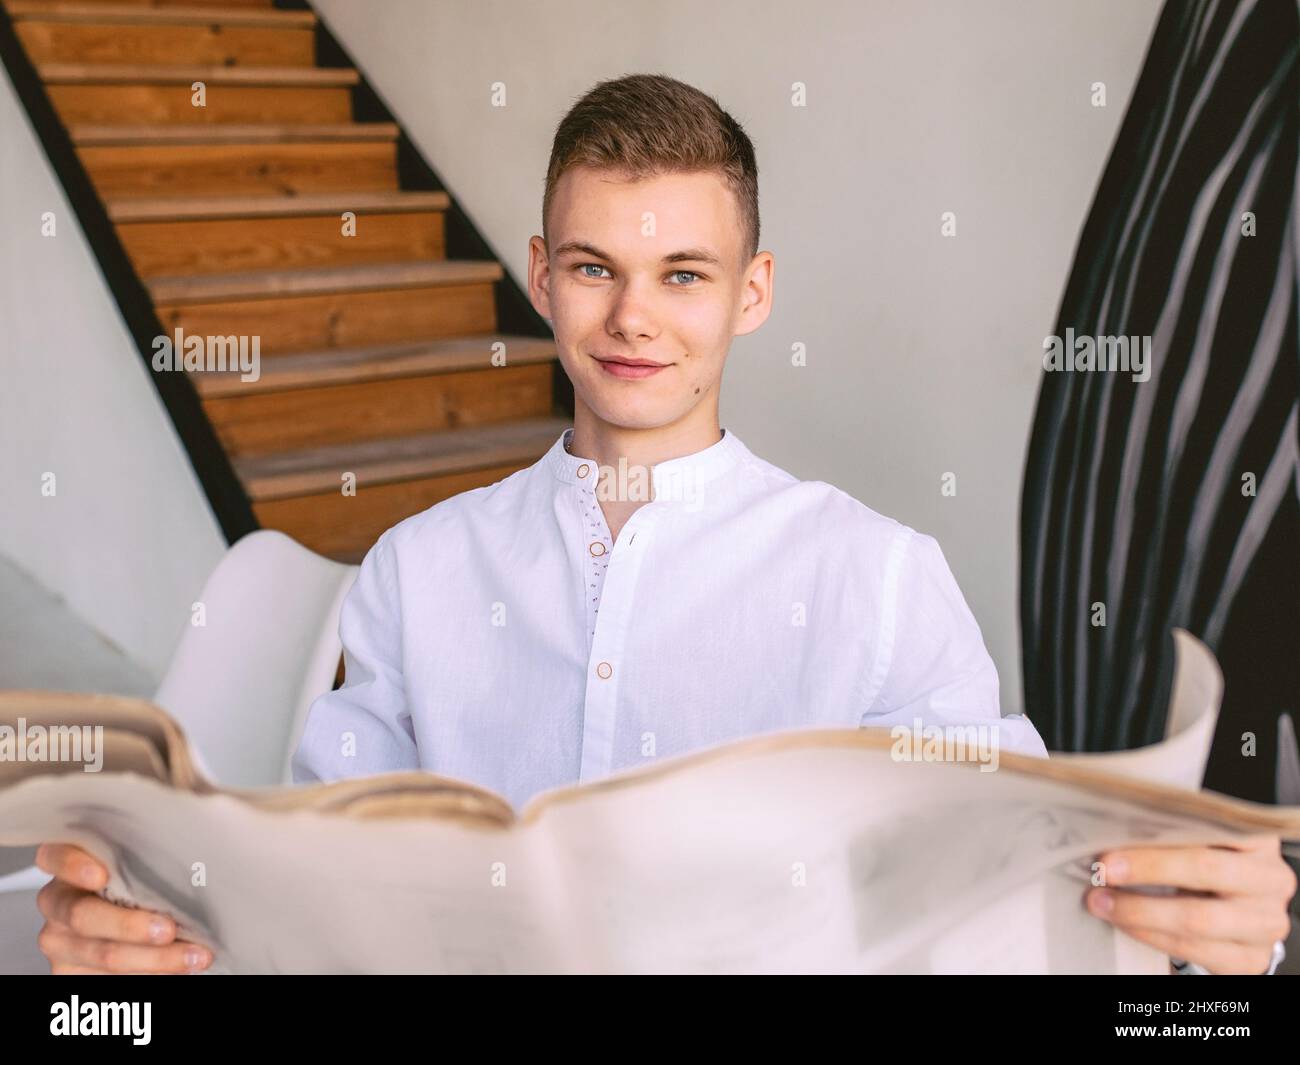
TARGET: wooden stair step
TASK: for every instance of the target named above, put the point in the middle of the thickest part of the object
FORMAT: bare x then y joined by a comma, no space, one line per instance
337,366
140,14
218,246
268,284
149,74
266,423
194,208
344,528
319,470
120,35
123,94
172,236
354,318
220,169
85,135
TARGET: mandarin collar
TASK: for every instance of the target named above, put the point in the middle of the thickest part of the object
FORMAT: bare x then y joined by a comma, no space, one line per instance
674,480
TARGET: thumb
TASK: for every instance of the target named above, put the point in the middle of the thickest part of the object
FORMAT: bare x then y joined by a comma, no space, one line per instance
72,864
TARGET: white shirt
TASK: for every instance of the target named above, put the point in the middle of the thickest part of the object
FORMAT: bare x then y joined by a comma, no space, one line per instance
501,637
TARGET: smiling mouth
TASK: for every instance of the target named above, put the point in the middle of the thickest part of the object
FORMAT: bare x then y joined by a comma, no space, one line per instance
630,369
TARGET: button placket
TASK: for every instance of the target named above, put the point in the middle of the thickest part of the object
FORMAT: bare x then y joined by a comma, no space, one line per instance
606,655
599,547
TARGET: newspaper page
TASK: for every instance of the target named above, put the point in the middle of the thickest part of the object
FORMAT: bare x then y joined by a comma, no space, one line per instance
815,851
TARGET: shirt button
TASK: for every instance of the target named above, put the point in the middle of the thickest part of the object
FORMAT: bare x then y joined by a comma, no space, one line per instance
604,671
597,549
583,470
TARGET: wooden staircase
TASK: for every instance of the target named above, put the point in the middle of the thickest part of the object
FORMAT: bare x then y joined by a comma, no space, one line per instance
376,348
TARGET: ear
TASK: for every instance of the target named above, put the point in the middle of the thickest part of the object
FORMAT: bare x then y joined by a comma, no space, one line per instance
756,293
539,277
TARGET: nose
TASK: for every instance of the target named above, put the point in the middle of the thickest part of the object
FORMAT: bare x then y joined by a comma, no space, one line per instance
631,316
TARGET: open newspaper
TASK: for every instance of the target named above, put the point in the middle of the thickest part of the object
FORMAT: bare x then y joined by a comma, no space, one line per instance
804,851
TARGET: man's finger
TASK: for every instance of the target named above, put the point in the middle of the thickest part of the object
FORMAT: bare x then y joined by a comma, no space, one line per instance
1217,956
1270,845
1189,916
1224,872
71,864
59,941
89,915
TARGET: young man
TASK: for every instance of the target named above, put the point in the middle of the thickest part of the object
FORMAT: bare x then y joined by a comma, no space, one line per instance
649,586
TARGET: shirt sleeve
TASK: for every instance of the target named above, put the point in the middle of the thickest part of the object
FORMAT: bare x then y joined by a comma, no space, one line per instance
365,726
937,667
1190,968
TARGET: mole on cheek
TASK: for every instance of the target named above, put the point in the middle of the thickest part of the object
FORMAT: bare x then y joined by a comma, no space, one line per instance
697,391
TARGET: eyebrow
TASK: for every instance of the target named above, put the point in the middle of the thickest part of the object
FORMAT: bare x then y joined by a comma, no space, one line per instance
686,255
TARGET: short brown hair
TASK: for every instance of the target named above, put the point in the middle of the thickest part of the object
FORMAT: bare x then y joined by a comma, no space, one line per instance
649,124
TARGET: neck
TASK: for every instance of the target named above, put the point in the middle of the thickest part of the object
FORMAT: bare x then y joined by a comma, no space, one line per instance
607,443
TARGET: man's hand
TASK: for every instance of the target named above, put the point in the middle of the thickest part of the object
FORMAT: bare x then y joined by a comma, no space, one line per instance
85,934
1234,909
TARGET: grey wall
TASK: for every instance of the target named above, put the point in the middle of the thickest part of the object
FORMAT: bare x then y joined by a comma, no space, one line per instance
128,538
923,352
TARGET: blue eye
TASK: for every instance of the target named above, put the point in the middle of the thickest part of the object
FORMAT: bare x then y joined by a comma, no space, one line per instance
691,275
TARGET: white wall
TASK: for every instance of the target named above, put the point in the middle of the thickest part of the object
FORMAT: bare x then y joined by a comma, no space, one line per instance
128,538
923,352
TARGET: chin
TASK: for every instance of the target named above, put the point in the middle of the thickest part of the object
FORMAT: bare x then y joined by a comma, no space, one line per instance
639,419
632,415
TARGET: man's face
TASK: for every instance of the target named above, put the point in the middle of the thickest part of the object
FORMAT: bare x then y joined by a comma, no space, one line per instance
647,270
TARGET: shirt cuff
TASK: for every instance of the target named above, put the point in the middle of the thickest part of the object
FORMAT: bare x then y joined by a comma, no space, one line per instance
1190,968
